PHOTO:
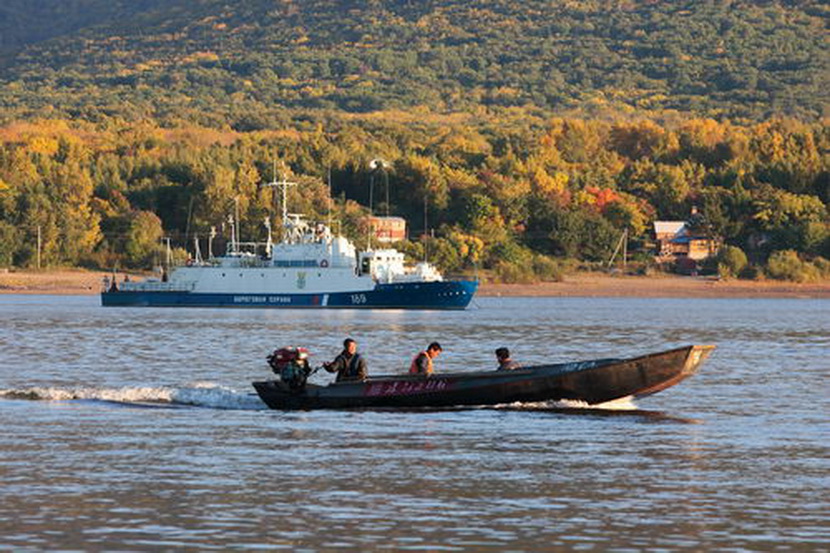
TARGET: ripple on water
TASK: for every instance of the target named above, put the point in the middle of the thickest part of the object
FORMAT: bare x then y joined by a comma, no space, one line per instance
164,447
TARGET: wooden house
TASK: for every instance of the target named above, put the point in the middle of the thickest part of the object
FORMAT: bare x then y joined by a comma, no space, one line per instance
676,240
388,229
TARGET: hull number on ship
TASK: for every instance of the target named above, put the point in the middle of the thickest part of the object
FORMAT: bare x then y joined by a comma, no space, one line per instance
262,299
358,299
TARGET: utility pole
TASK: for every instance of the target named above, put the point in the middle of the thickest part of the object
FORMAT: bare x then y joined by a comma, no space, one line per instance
426,229
38,247
622,243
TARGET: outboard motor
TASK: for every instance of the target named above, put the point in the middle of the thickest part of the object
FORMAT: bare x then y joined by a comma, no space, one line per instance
291,365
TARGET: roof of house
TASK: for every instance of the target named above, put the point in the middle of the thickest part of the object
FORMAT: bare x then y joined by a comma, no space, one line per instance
689,239
392,219
669,227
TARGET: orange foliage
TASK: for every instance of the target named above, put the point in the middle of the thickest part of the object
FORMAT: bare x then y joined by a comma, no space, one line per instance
602,197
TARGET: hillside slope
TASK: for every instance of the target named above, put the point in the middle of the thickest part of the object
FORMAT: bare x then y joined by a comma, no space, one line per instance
245,62
27,22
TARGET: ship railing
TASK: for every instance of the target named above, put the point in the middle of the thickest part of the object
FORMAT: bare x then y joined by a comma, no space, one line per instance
156,286
296,263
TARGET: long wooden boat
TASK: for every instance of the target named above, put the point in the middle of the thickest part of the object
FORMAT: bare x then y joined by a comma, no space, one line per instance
593,382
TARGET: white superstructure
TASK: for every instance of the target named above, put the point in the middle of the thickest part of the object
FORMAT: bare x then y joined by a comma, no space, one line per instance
308,260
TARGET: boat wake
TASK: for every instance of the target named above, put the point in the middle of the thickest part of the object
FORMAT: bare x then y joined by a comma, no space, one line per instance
621,404
199,394
624,407
209,395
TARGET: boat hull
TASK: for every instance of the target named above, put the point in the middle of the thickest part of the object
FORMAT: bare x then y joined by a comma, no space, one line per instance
450,295
592,382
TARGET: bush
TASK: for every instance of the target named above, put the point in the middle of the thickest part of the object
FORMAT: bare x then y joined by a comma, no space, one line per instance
642,263
514,273
9,237
752,272
786,265
731,262
548,269
822,266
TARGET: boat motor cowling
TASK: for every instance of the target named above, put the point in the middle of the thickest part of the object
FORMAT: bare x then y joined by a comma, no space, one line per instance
291,365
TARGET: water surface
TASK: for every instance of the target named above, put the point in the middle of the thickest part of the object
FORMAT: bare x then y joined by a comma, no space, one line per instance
136,429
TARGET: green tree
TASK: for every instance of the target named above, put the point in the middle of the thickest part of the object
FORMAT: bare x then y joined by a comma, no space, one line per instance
731,261
143,236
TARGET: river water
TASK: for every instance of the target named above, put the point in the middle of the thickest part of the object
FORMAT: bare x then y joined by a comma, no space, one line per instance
135,430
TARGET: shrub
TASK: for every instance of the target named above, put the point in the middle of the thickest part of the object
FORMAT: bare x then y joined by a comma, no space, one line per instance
548,269
822,266
731,262
752,272
786,265
514,273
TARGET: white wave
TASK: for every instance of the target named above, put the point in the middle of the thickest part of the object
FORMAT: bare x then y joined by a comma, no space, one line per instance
621,404
206,394
200,394
124,395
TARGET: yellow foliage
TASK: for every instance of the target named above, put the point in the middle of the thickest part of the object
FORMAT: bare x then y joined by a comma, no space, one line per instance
550,186
469,247
43,145
200,57
584,198
704,132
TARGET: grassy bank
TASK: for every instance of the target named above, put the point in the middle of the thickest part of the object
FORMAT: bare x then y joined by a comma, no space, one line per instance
68,282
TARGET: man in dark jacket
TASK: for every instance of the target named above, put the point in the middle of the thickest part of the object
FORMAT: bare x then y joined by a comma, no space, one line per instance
505,363
349,365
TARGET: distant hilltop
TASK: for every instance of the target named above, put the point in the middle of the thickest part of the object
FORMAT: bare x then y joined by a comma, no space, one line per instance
250,64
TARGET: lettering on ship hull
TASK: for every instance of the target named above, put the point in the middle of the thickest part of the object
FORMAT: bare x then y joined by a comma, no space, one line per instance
262,299
406,388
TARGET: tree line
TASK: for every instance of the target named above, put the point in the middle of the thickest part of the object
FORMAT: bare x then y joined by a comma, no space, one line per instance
519,202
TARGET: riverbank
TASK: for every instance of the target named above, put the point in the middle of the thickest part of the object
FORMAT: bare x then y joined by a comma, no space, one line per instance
61,282
78,282
668,286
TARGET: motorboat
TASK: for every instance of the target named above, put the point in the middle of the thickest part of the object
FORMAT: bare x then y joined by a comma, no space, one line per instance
592,382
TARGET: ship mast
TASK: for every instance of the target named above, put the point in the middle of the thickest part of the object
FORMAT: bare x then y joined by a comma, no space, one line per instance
283,186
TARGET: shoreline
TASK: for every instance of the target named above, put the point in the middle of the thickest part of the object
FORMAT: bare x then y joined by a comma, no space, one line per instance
668,286
83,282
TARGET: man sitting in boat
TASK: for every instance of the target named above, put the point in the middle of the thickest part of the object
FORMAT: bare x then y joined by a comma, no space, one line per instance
505,363
422,363
349,365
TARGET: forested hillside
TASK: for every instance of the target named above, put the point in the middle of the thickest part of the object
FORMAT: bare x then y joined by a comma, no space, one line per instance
244,63
509,201
533,131
24,22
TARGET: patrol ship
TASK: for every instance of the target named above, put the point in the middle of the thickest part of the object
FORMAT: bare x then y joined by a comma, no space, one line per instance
309,268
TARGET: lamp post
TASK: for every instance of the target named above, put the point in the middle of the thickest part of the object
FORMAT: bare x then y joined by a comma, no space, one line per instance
375,165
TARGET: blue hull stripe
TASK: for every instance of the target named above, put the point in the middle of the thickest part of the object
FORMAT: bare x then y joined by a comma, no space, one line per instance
410,295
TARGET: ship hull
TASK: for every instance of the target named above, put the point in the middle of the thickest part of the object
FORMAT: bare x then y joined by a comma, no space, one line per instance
410,295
